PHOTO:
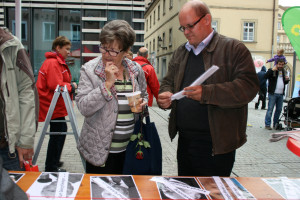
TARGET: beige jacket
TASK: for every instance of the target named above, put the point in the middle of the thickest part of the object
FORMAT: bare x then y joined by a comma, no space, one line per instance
18,94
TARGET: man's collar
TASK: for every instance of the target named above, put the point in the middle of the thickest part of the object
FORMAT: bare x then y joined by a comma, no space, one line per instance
200,46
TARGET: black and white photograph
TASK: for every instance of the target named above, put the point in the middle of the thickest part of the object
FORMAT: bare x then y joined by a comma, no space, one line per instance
113,187
179,188
54,185
16,176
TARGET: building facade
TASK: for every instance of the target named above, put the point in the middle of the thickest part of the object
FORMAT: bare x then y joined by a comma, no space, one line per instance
250,21
79,20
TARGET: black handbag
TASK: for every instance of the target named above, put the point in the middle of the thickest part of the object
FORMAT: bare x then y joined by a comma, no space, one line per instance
144,152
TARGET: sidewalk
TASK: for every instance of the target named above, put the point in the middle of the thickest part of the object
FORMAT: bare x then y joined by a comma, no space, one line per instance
257,158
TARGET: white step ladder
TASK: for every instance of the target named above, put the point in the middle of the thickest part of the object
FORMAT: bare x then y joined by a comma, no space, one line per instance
60,90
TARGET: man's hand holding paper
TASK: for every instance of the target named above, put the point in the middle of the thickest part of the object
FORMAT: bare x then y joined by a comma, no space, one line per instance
196,87
164,100
193,92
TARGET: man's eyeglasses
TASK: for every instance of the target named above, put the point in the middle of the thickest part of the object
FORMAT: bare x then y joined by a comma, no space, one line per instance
113,53
189,27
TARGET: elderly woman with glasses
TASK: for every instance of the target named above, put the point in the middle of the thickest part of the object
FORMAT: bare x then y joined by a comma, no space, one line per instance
104,82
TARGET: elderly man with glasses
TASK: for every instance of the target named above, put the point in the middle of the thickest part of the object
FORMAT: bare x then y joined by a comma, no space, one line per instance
211,119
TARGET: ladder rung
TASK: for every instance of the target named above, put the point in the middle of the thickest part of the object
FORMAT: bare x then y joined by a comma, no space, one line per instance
59,133
60,120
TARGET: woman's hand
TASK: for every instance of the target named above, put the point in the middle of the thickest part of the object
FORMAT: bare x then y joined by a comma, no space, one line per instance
140,107
111,71
75,85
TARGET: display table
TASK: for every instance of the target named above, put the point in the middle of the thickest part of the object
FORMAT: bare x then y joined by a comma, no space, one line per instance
294,146
148,189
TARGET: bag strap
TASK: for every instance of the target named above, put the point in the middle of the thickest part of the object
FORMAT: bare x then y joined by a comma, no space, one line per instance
144,64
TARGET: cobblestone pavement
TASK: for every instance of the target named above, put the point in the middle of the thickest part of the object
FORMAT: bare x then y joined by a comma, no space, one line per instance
257,158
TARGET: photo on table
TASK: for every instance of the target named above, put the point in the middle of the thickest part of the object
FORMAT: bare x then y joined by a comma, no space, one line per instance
16,176
55,185
180,188
114,187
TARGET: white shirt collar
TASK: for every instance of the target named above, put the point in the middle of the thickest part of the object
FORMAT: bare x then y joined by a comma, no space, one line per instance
200,46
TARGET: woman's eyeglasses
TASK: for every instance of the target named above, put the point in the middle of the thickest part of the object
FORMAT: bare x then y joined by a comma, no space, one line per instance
113,53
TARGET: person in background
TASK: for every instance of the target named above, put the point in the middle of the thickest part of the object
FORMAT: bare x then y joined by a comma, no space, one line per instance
277,78
54,71
18,103
277,57
129,55
212,118
262,94
151,78
104,82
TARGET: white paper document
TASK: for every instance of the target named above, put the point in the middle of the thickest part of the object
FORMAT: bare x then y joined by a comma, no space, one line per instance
198,81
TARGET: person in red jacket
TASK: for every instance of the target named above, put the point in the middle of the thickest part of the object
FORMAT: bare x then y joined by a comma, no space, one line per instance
54,71
150,75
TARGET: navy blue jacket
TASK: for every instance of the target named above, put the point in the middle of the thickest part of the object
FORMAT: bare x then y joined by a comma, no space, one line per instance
262,79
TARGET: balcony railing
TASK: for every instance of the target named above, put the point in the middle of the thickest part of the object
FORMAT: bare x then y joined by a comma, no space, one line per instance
286,46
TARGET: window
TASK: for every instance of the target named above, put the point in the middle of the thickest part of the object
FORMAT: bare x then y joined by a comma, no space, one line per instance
171,4
248,32
158,12
48,31
95,13
214,25
163,39
154,17
164,7
23,29
278,39
119,14
150,47
157,66
75,32
147,45
138,26
158,43
153,44
139,38
279,26
147,25
138,14
150,20
170,37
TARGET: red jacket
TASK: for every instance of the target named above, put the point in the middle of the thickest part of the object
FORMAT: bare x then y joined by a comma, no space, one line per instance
151,78
53,72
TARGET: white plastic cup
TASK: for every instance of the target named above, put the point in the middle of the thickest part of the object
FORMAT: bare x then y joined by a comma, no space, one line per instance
133,100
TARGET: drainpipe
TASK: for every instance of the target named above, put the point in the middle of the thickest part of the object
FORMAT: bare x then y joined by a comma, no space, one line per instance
294,71
273,25
18,19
